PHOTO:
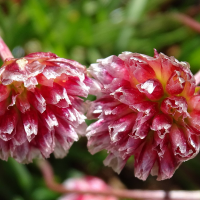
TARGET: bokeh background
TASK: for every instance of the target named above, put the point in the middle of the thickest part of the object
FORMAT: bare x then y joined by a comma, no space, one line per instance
85,30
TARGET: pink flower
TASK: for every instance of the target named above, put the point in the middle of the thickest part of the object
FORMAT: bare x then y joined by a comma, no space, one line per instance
148,108
40,108
86,183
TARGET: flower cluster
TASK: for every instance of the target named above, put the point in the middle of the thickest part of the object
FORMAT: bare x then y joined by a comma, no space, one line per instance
40,108
147,108
84,184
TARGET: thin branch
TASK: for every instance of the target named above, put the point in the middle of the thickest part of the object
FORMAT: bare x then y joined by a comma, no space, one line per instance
48,175
4,50
193,24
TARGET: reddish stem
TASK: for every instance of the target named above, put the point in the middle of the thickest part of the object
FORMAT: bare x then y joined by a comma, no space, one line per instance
193,24
188,21
4,50
47,172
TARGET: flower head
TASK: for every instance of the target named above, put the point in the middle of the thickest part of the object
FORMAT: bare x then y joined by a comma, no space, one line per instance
86,183
148,108
40,106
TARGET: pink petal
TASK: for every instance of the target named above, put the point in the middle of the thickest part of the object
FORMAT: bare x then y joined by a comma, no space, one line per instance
64,130
175,83
152,88
37,100
4,92
3,107
167,67
54,94
95,107
145,158
74,87
70,115
98,142
116,163
115,66
19,153
49,119
194,103
30,122
20,135
141,70
167,165
175,106
162,124
4,150
8,124
45,140
128,96
22,103
119,128
179,144
41,79
100,73
42,55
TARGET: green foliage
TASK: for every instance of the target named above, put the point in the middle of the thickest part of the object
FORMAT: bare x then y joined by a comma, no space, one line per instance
85,30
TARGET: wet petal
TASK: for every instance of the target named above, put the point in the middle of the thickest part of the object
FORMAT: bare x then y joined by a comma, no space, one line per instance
152,88
30,122
8,124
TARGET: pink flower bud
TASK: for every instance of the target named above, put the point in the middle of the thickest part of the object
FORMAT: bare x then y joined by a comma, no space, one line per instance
86,183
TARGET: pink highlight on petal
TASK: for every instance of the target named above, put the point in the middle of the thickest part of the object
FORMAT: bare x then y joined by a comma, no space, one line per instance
175,106
167,165
22,103
128,95
115,162
179,143
193,120
7,125
41,79
140,70
37,100
121,126
3,107
194,103
175,83
4,92
152,88
30,122
161,124
145,158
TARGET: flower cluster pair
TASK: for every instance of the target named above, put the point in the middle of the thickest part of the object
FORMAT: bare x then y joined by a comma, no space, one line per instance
146,106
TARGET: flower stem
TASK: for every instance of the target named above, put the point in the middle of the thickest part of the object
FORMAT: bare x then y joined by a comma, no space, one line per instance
193,24
187,20
4,51
48,175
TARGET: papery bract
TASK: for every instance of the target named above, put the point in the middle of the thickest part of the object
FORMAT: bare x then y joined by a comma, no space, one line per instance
40,106
148,108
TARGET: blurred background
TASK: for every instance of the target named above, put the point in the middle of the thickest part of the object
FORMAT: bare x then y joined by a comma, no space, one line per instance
85,30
